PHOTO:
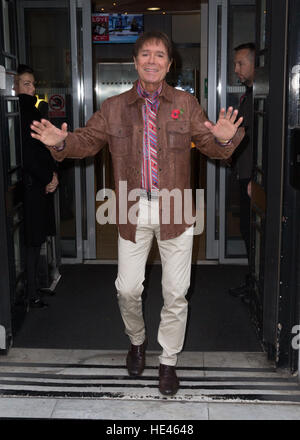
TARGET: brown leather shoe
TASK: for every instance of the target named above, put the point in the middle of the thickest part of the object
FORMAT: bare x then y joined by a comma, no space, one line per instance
135,360
168,380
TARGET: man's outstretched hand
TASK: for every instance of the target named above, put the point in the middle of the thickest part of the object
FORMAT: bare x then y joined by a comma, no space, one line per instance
226,126
48,134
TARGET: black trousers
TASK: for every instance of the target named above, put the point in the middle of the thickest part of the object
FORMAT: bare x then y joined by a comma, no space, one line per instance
32,266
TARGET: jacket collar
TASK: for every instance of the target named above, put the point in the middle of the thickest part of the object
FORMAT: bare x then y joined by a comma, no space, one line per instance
166,93
27,99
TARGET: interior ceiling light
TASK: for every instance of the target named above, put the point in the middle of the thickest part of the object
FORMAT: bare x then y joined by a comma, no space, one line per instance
154,8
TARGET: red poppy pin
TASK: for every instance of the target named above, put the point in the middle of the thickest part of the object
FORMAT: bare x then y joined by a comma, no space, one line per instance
176,113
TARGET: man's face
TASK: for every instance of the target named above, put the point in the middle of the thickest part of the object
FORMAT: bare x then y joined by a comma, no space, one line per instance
25,84
152,64
244,66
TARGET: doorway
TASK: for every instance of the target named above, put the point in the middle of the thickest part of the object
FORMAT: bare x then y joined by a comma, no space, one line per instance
223,245
83,183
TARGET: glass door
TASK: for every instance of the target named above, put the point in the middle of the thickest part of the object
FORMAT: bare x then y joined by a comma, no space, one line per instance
290,266
62,64
278,282
12,298
231,22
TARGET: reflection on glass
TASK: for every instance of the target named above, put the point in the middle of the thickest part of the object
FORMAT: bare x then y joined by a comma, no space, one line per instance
12,142
259,177
6,26
17,252
14,177
258,221
9,91
260,130
49,55
9,64
9,107
234,244
17,217
261,60
115,78
183,80
257,252
263,24
9,37
67,207
12,106
241,29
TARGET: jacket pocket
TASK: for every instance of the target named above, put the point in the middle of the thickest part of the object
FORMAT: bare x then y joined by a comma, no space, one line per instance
120,139
179,135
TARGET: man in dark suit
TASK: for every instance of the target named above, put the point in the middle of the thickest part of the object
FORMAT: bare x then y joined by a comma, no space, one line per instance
244,67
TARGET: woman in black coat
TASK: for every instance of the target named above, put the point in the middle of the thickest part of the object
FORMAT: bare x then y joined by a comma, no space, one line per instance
40,182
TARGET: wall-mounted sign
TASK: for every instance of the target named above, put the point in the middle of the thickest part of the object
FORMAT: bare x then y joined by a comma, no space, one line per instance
57,106
116,28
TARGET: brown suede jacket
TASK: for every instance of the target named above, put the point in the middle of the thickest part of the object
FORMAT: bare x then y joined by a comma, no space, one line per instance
119,123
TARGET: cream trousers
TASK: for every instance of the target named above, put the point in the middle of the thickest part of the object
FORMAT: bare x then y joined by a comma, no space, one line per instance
176,257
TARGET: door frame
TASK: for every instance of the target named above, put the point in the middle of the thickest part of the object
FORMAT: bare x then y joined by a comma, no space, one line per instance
286,311
11,219
5,285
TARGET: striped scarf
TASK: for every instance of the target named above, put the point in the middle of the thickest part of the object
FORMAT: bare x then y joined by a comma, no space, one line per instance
149,180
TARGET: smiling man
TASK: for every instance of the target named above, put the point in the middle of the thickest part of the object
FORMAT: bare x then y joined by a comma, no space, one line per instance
152,62
149,130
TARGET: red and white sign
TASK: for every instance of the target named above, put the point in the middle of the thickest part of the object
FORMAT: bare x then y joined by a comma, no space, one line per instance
57,106
100,24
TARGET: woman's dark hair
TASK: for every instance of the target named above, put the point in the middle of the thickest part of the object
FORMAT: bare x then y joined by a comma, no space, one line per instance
23,68
156,36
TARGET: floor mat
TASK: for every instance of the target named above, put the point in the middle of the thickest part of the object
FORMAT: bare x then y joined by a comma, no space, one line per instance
84,313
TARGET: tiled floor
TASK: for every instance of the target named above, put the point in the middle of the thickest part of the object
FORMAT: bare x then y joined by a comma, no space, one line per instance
86,409
87,384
